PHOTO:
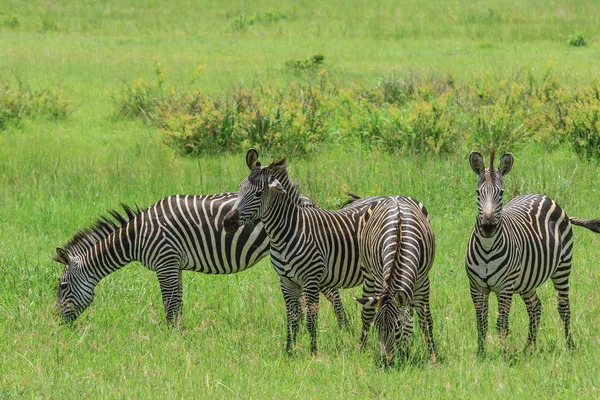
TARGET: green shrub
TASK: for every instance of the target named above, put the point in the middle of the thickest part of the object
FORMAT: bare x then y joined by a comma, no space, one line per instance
413,115
577,40
17,104
312,63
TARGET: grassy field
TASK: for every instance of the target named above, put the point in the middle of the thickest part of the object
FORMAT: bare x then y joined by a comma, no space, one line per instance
57,176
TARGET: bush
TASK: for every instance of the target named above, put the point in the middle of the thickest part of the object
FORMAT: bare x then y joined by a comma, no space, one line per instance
311,63
577,40
413,115
17,104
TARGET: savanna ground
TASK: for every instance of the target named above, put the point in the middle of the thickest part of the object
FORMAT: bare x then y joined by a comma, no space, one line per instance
60,170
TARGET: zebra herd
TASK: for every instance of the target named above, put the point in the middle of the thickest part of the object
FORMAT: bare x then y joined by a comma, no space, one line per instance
384,243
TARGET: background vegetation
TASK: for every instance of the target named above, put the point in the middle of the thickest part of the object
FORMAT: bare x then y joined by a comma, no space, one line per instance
92,92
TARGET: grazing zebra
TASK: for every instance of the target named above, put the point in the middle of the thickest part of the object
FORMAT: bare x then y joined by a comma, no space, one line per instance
396,249
515,248
177,233
310,247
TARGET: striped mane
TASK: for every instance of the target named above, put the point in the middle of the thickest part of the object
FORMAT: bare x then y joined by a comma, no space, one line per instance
103,227
280,172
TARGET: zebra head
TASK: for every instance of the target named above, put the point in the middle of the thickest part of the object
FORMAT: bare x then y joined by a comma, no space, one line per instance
75,290
255,193
390,323
490,191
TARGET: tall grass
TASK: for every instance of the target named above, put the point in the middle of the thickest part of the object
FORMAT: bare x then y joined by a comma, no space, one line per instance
58,175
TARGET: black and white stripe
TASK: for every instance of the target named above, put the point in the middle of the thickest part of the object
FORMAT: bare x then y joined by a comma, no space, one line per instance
177,233
515,248
397,248
310,247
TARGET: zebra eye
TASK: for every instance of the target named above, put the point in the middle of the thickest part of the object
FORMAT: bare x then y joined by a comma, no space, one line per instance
258,193
64,284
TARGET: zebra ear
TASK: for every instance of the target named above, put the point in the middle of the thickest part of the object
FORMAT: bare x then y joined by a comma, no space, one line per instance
476,161
252,159
276,185
61,256
506,163
367,301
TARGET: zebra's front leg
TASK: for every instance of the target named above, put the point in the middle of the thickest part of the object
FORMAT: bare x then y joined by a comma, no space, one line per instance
333,295
534,309
406,323
171,288
504,304
311,293
291,295
481,303
368,311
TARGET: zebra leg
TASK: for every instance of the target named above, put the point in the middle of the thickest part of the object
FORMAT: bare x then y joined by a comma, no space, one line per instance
421,305
169,279
291,295
311,293
504,304
333,295
560,279
481,302
406,332
367,313
534,309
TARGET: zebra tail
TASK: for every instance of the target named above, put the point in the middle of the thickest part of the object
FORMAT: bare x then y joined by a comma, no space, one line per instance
400,296
592,224
352,199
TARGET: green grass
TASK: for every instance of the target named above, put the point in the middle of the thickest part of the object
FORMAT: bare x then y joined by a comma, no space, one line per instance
57,176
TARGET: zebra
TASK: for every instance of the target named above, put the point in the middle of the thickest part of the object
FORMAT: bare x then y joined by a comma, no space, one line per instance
515,248
179,232
310,247
397,249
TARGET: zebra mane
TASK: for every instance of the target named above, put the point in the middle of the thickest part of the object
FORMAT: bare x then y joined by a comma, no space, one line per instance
280,172
103,227
492,155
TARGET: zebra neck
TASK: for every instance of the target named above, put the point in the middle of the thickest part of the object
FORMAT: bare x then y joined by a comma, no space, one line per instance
281,217
492,243
108,255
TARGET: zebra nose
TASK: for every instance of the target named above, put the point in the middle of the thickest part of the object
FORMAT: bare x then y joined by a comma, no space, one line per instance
231,221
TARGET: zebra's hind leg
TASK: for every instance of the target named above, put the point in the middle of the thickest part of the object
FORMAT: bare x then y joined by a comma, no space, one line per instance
333,295
504,304
534,309
169,279
481,303
560,279
291,295
421,305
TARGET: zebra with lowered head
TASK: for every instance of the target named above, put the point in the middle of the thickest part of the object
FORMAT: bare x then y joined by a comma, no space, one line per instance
515,248
396,249
176,234
311,248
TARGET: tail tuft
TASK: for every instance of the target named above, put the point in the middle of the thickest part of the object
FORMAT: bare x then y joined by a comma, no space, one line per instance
592,224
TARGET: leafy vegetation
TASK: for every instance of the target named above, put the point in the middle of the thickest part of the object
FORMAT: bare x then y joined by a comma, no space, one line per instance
415,115
16,104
